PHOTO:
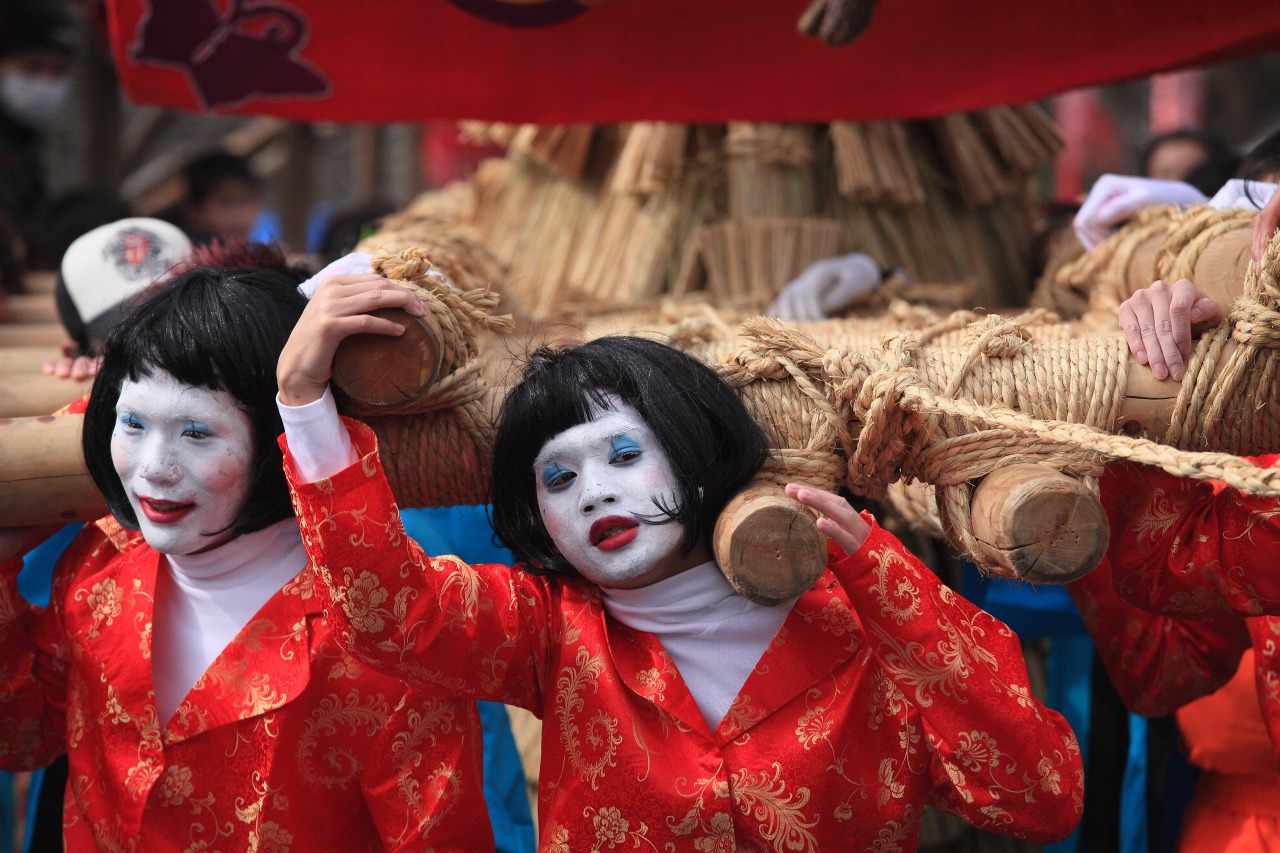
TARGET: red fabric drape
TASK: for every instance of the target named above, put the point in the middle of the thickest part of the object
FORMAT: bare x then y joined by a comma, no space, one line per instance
624,60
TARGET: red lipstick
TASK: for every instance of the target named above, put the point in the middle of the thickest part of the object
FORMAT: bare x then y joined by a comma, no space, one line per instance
164,512
613,532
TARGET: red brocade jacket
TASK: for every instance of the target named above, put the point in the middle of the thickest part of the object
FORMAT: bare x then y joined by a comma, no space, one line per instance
1205,552
882,692
285,743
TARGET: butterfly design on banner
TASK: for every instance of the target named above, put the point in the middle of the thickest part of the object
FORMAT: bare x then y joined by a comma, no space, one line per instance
231,54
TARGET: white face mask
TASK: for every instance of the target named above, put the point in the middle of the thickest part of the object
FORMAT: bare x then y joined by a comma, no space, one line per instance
183,454
33,100
597,483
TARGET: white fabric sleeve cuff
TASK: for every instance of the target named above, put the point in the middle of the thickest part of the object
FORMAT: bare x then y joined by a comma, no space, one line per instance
318,440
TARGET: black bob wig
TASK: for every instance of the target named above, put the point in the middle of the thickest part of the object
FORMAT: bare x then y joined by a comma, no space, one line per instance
221,329
713,443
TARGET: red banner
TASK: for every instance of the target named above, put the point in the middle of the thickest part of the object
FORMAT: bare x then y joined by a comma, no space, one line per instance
560,61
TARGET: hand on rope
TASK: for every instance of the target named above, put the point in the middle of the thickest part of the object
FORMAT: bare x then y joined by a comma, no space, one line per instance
1159,322
1114,199
836,518
826,287
339,309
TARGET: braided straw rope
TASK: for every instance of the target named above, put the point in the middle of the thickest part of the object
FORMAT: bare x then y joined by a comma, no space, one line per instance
911,411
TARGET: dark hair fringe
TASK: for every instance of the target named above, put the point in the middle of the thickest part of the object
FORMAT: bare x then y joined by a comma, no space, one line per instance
221,329
713,443
1262,163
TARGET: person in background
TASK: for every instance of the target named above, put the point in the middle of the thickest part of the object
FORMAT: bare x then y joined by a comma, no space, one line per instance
1115,199
102,274
12,253
1190,156
223,199
36,43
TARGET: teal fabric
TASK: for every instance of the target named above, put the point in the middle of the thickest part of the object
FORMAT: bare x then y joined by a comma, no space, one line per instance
1134,832
1070,668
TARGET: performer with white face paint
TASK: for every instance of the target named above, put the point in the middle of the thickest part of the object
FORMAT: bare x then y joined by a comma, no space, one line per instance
184,456
677,715
185,663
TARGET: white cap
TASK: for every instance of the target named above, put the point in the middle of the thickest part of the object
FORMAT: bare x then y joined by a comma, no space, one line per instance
111,264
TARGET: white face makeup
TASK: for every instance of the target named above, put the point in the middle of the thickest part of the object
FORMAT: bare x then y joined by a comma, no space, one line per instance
595,482
183,454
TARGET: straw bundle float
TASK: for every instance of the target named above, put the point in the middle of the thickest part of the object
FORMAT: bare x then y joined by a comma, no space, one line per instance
613,215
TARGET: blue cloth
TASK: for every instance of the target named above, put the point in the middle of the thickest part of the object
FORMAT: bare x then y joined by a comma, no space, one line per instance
1031,611
34,582
1069,673
464,531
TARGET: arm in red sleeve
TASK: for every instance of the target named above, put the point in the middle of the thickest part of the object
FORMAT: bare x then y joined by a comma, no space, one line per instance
422,777
1190,548
437,623
1157,663
996,756
34,659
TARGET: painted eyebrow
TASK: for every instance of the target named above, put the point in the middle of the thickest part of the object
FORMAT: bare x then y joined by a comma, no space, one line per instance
550,470
628,433
624,440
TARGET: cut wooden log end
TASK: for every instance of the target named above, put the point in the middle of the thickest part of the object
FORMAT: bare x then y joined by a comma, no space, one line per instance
1036,524
381,370
768,545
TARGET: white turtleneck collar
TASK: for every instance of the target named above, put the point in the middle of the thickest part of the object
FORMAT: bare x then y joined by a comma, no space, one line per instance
685,603
714,636
203,600
240,561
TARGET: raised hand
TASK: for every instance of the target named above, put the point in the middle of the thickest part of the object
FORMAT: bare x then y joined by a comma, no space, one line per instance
837,519
339,309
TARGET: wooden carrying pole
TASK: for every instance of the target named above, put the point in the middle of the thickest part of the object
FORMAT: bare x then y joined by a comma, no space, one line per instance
33,394
425,436
29,308
24,361
44,477
31,334
1048,527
